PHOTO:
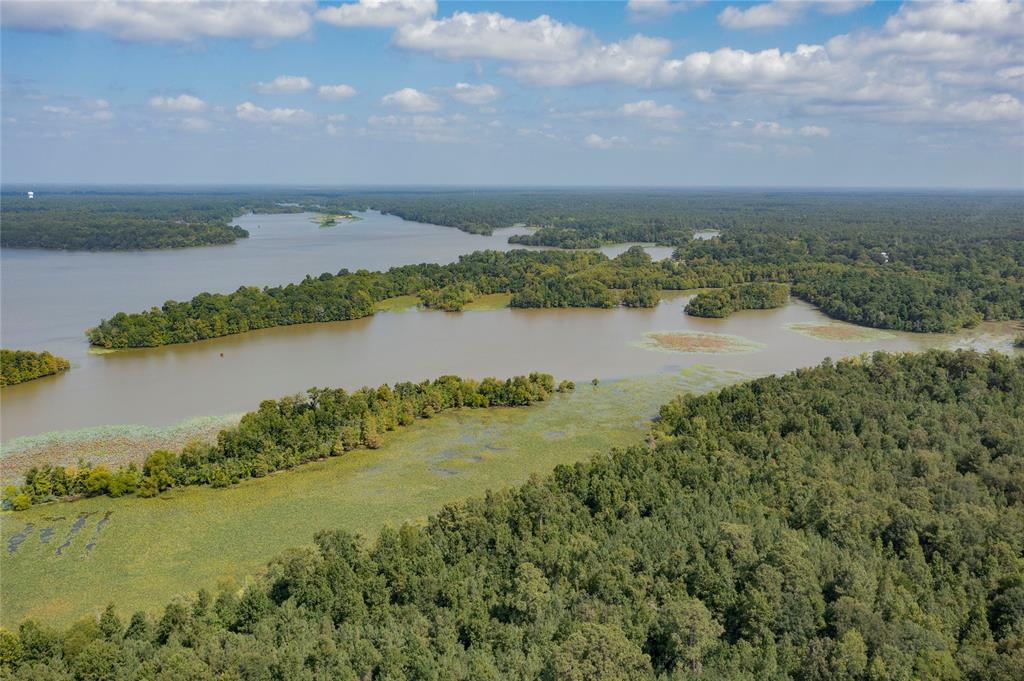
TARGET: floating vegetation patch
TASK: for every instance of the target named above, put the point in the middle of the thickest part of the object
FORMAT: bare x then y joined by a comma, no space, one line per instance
839,331
75,529
14,542
96,533
397,304
111,445
698,342
488,302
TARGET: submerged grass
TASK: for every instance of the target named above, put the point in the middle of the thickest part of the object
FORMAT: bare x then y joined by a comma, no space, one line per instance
111,445
698,342
150,550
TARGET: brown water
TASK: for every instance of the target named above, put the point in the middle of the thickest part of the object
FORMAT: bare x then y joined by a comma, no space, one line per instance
50,297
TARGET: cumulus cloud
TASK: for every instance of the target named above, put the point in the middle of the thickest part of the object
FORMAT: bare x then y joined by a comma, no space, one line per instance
631,61
595,141
89,111
180,103
782,12
339,91
814,131
178,20
771,129
378,13
648,108
765,15
477,95
740,67
490,35
247,111
411,99
999,107
284,85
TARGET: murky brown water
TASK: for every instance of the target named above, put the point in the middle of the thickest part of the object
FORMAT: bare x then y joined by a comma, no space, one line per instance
48,298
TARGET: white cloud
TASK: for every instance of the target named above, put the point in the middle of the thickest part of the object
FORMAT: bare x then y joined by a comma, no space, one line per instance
411,99
489,35
632,61
164,21
339,91
283,85
378,13
418,128
337,118
814,131
195,124
648,108
595,141
771,129
477,95
92,111
744,146
782,12
728,65
652,10
179,103
247,111
764,15
999,107
992,17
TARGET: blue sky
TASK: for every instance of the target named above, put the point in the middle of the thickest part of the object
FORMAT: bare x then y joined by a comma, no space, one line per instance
842,93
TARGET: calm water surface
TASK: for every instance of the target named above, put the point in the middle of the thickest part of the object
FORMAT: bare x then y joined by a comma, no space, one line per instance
50,297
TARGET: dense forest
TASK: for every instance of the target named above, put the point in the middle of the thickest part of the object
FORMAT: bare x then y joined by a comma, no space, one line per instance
89,221
724,301
18,366
862,520
283,434
534,278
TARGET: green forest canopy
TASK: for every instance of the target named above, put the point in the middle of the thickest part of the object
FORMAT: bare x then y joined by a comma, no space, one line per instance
18,366
858,520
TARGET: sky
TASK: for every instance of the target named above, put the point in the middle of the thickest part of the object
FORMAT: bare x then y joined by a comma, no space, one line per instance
847,93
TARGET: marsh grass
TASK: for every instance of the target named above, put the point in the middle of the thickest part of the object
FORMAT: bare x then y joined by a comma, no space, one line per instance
150,550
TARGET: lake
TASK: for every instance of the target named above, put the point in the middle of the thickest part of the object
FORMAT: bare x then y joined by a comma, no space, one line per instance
49,298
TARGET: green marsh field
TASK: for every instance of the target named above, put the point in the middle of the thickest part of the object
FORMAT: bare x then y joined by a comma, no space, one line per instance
140,553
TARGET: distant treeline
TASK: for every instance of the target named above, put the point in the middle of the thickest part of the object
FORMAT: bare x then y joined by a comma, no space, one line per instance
18,366
283,434
723,302
937,272
133,221
856,521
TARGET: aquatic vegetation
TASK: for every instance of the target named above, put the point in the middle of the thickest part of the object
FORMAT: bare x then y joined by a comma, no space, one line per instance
698,342
838,331
196,537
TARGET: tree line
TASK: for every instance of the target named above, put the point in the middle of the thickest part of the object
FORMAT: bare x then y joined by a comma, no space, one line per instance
857,521
18,366
724,301
104,221
283,434
534,278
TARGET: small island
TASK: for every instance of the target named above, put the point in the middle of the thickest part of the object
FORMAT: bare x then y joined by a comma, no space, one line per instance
19,366
723,302
326,220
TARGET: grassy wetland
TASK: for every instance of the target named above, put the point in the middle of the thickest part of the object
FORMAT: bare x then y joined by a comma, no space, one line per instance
150,550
